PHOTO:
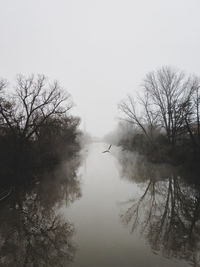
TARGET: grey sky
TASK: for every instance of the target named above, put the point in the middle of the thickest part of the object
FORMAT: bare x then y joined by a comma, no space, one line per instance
98,50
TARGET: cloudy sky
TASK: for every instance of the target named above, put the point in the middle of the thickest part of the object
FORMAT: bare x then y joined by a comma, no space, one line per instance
99,50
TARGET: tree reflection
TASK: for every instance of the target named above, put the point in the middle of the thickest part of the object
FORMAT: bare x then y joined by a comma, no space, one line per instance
32,231
167,212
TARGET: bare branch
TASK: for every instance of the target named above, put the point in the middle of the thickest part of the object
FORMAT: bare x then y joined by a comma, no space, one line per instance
34,102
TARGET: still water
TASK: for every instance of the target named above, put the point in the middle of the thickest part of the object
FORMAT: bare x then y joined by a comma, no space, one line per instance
103,209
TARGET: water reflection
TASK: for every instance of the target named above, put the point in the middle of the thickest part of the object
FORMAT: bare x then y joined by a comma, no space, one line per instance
167,212
32,231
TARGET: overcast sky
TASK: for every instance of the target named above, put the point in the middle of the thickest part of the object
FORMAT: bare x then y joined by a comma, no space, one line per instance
99,50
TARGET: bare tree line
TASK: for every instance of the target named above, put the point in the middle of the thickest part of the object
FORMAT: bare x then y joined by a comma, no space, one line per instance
36,126
169,105
32,103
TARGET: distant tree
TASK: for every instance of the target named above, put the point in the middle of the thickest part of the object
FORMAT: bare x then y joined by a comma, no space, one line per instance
192,119
146,121
3,85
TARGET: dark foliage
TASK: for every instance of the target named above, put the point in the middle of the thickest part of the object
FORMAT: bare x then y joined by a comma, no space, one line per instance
36,129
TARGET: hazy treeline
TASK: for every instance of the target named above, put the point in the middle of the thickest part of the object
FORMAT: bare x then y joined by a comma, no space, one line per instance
121,135
36,128
165,117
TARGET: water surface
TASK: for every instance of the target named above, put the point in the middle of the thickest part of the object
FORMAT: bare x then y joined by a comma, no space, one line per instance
107,230
108,209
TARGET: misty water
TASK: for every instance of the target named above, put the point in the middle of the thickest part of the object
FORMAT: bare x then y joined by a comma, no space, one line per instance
103,209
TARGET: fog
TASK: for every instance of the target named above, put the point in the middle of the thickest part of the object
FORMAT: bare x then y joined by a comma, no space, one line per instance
98,50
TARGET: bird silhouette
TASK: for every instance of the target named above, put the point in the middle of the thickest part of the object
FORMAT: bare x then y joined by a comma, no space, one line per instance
108,150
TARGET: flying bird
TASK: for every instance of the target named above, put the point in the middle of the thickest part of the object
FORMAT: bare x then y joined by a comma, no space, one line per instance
108,150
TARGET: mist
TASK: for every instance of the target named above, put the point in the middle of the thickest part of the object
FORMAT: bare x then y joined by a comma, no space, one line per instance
99,133
98,50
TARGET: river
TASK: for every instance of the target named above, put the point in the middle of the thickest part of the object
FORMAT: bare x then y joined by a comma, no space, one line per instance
108,209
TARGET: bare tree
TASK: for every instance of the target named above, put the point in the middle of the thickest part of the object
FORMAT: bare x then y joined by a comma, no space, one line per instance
193,121
166,103
170,91
150,114
34,101
128,108
3,85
